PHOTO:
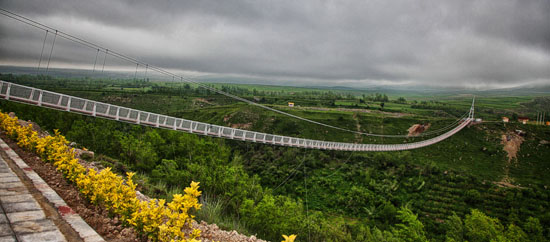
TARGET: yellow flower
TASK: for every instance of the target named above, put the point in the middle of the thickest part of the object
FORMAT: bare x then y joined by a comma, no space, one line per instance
156,219
289,238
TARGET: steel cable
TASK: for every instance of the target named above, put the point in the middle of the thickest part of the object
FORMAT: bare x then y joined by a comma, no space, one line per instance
186,79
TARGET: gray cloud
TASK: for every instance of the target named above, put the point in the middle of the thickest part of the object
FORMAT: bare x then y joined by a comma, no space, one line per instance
478,43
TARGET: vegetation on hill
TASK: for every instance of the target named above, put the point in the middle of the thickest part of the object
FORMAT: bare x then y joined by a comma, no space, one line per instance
446,192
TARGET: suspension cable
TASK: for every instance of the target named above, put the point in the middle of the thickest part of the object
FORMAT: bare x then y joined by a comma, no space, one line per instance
146,67
95,61
291,174
135,73
186,79
104,59
42,52
51,51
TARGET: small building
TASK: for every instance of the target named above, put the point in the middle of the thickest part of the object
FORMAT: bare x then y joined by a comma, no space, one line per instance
478,120
505,119
523,120
290,104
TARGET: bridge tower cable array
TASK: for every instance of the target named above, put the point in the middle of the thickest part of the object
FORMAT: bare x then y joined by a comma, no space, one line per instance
124,57
42,52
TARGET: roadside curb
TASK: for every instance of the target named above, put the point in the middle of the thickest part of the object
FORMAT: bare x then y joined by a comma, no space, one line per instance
86,233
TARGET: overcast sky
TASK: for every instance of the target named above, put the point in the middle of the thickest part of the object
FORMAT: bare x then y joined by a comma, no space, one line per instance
478,44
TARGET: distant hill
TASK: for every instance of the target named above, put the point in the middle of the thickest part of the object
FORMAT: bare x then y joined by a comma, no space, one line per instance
394,90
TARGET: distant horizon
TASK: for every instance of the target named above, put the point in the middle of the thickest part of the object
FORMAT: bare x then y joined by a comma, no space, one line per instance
232,79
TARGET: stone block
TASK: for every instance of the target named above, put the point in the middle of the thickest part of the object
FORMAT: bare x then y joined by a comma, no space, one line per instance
9,179
21,207
5,230
26,216
5,170
17,198
48,236
25,227
80,226
33,176
7,173
13,191
19,162
11,185
54,198
9,238
94,238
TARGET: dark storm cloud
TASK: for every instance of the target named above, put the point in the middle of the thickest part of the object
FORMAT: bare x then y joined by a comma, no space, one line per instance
456,43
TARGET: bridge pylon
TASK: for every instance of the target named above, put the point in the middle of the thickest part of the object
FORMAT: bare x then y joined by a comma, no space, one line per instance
471,115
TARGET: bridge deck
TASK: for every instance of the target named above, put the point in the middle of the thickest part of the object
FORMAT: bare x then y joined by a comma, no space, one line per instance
39,97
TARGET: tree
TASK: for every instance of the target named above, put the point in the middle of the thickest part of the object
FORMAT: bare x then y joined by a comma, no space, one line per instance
472,196
410,229
377,235
282,213
378,97
387,213
140,153
515,234
482,228
455,229
167,171
534,229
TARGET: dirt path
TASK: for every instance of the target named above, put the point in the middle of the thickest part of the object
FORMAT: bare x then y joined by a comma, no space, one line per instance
511,144
201,100
418,129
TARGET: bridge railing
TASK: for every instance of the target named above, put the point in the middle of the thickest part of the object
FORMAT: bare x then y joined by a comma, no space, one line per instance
48,99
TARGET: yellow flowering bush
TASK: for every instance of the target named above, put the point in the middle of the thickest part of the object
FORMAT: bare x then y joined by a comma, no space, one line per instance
289,238
156,219
110,191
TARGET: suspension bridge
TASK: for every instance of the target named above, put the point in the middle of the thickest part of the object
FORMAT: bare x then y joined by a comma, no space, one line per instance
38,97
43,98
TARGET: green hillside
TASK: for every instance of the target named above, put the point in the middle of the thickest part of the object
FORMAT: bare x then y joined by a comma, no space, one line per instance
325,195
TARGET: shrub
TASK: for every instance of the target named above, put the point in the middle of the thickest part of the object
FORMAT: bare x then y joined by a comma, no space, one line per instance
105,188
473,196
